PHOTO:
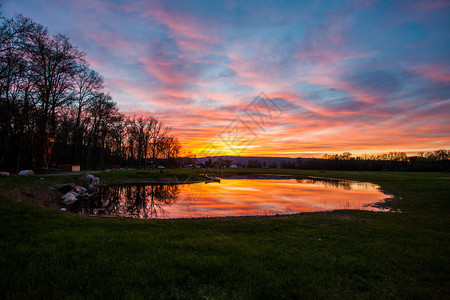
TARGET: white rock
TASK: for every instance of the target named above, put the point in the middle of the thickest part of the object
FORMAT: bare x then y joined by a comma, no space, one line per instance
4,174
80,189
94,180
26,173
87,179
69,198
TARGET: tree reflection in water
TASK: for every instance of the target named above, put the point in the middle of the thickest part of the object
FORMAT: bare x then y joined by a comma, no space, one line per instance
241,196
136,201
336,183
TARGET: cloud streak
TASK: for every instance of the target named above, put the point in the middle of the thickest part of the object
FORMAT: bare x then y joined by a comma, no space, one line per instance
365,77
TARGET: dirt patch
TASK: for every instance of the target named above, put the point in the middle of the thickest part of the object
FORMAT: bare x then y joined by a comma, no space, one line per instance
40,195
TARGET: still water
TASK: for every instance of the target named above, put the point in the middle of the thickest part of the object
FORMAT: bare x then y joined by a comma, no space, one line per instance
235,196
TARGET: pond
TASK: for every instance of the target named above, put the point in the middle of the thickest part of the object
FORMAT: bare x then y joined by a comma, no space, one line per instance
233,196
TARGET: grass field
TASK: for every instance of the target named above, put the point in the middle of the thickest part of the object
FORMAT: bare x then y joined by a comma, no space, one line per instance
341,254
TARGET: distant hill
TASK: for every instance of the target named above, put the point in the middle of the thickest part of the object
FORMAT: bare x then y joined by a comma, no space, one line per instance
244,159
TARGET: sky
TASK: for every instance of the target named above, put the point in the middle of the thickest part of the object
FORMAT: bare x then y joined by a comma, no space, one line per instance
270,78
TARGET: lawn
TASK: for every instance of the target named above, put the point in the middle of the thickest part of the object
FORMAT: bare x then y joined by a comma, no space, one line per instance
340,254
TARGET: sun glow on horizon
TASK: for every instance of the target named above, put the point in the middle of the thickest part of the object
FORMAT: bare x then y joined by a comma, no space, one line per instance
338,84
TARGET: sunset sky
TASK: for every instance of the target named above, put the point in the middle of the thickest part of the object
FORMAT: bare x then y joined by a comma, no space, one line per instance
357,76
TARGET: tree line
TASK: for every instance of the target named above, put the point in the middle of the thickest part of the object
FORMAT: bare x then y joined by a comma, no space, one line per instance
438,160
54,109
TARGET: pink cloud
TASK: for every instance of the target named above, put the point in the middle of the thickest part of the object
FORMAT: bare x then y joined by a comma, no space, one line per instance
168,71
321,129
439,73
190,34
428,5
321,56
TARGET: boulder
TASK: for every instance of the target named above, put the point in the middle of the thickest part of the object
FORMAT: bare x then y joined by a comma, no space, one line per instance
64,187
84,196
94,180
79,189
90,188
26,173
69,198
4,174
88,179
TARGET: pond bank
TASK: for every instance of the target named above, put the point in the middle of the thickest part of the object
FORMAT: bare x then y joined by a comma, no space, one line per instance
340,254
278,194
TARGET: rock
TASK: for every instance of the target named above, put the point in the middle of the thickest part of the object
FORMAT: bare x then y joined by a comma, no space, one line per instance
94,180
26,173
80,189
4,174
84,196
69,198
90,188
64,187
63,209
88,179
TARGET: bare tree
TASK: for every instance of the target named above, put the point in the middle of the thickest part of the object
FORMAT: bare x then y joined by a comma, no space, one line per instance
47,90
54,63
15,88
87,85
157,131
103,111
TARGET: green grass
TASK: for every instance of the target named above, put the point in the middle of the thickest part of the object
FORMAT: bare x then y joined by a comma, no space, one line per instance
342,254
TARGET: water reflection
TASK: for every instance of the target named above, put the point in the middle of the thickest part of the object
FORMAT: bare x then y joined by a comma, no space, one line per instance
232,197
337,183
136,201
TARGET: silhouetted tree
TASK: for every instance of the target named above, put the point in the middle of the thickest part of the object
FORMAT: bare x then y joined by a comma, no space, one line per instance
87,86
